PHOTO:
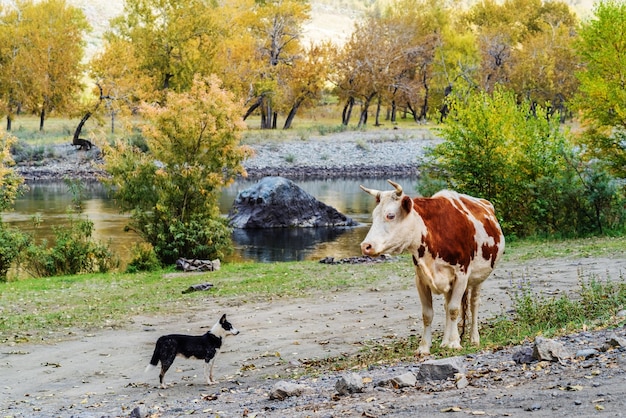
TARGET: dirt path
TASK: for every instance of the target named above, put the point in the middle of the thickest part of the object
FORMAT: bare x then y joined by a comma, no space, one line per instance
102,374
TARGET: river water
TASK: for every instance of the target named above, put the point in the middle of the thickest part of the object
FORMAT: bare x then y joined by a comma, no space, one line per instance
48,203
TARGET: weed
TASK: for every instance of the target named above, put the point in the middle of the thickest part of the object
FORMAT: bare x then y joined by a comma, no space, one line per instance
362,145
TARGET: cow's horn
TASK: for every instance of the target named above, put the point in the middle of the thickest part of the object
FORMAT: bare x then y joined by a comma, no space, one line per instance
373,192
397,187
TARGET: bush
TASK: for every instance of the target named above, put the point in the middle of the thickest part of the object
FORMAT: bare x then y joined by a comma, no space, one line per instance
206,239
144,259
73,252
520,160
193,144
12,243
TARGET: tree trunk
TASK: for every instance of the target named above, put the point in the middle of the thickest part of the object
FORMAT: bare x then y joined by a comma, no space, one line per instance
266,114
412,111
393,111
9,120
444,109
274,119
424,110
378,104
42,117
291,115
347,111
83,144
366,105
253,107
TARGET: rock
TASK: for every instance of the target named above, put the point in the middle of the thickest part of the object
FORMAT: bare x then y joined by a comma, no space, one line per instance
549,350
461,381
283,390
615,341
524,356
586,353
441,369
406,380
276,202
198,265
349,383
139,412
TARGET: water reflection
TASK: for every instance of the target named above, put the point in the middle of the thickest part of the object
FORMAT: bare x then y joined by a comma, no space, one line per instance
49,202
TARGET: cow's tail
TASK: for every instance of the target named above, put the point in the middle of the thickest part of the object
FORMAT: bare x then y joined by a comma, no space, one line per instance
464,310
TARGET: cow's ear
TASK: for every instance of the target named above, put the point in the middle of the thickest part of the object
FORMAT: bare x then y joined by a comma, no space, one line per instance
407,204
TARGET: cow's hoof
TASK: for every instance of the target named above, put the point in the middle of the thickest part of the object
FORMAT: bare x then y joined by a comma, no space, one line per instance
453,346
423,351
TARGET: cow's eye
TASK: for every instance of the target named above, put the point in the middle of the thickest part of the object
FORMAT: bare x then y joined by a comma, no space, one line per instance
391,216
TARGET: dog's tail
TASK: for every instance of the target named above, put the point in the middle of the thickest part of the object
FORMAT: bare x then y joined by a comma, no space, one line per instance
155,359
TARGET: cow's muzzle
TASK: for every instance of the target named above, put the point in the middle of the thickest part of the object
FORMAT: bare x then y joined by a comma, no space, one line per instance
367,249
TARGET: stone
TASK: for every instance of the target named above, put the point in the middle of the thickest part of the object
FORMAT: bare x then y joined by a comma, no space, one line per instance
524,355
616,341
276,202
406,380
283,390
586,353
349,383
441,369
549,350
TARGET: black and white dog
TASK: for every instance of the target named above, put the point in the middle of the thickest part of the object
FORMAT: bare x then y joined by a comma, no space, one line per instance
203,347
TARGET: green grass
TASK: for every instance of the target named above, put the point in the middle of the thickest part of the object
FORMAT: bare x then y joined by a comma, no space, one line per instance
48,308
596,306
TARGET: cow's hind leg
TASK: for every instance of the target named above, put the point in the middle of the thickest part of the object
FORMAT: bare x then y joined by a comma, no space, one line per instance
473,305
453,298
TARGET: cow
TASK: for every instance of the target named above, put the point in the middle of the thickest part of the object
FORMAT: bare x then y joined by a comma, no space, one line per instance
455,240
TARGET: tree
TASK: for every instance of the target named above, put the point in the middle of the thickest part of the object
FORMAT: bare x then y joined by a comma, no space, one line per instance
277,29
171,41
172,190
15,80
304,81
12,241
56,50
519,159
601,97
43,45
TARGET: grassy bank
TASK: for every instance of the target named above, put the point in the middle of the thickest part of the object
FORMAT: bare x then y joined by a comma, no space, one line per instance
34,310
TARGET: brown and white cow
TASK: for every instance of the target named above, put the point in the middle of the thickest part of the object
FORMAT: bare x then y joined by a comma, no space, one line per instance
455,240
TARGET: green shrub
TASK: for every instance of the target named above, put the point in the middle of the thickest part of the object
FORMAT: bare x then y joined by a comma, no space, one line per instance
596,304
74,251
203,239
12,243
143,259
522,161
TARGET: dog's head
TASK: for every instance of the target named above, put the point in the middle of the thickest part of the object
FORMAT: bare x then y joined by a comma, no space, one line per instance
224,328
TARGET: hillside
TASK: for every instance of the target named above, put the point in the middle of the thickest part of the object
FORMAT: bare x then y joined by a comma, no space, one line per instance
330,19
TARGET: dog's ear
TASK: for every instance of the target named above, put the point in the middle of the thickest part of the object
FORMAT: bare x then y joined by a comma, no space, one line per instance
223,319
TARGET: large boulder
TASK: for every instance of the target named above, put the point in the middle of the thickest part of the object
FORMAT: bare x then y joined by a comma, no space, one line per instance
276,202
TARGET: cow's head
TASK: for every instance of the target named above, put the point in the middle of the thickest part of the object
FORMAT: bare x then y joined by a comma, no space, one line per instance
393,222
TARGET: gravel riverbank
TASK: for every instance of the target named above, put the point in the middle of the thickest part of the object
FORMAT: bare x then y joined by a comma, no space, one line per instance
346,154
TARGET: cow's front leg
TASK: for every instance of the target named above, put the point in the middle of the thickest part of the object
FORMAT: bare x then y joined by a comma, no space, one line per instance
451,337
426,299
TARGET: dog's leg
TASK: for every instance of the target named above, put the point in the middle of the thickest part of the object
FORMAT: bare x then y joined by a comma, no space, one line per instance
165,365
208,366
